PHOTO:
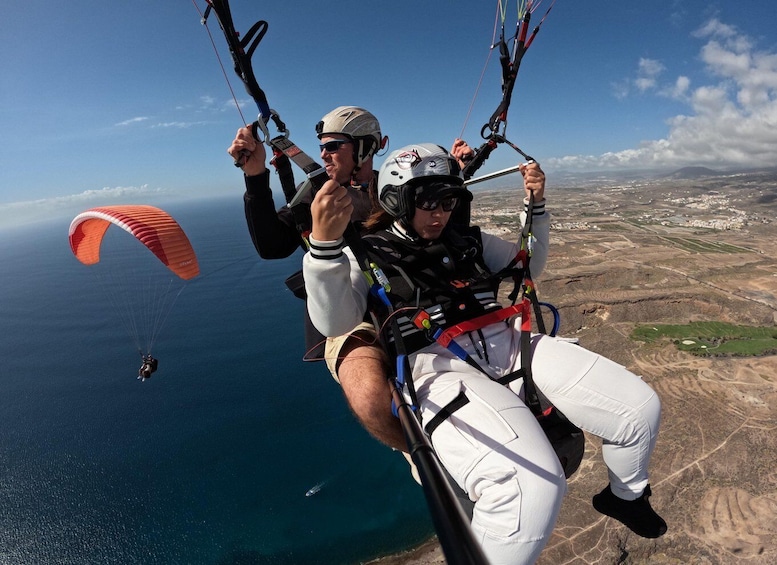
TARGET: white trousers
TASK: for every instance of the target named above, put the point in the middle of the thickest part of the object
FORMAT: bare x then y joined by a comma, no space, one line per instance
495,449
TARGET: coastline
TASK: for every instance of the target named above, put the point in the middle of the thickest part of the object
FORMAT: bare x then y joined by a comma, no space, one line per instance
428,553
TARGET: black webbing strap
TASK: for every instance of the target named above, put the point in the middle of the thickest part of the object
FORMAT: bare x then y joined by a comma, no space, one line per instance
510,377
286,150
300,158
242,51
481,154
462,400
282,166
316,173
446,412
531,397
535,303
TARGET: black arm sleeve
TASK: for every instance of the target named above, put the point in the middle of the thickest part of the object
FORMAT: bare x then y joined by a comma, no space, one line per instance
274,232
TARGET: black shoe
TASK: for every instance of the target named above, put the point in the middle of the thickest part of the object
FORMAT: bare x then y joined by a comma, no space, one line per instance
637,514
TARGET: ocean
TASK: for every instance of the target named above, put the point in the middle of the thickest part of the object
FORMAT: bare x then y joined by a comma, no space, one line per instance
207,462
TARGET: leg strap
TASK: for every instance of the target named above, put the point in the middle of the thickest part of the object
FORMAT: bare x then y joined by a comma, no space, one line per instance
446,412
514,376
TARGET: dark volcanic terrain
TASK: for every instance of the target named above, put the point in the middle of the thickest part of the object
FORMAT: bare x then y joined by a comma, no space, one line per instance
668,250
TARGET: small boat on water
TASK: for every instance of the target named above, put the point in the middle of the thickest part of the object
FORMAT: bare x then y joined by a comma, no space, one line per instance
314,489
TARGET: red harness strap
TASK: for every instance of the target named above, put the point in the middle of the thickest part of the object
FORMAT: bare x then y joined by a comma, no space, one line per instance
522,308
446,338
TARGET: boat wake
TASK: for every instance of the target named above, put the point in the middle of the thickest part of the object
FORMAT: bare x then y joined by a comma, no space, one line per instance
314,489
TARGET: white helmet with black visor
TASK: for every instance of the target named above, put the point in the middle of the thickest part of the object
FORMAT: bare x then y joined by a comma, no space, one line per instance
416,173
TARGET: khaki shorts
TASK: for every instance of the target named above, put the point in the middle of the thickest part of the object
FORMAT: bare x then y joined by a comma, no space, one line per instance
335,344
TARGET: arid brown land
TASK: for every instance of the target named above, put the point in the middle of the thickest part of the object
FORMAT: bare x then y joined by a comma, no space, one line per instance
690,247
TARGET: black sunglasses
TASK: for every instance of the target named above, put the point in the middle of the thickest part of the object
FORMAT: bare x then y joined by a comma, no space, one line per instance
333,146
447,204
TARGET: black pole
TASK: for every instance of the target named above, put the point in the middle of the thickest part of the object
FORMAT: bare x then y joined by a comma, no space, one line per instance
451,524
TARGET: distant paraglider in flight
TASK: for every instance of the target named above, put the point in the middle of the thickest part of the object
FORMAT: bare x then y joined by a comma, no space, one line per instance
142,291
147,368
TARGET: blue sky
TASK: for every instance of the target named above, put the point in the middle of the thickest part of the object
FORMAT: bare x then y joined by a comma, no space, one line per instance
107,102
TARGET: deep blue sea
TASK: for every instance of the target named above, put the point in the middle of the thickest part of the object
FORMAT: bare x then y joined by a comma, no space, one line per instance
207,462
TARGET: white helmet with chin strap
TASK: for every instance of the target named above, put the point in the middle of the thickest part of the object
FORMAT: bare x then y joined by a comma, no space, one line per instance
418,171
356,123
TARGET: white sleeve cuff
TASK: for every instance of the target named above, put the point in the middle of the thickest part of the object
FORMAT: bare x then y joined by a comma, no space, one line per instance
326,250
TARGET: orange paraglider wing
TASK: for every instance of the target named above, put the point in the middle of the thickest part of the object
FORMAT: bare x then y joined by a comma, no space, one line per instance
154,228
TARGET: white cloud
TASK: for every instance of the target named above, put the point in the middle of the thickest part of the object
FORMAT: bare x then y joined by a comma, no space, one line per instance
211,104
178,125
108,194
732,121
17,213
648,73
677,12
174,124
714,27
132,121
206,105
646,79
207,101
621,89
678,90
242,103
